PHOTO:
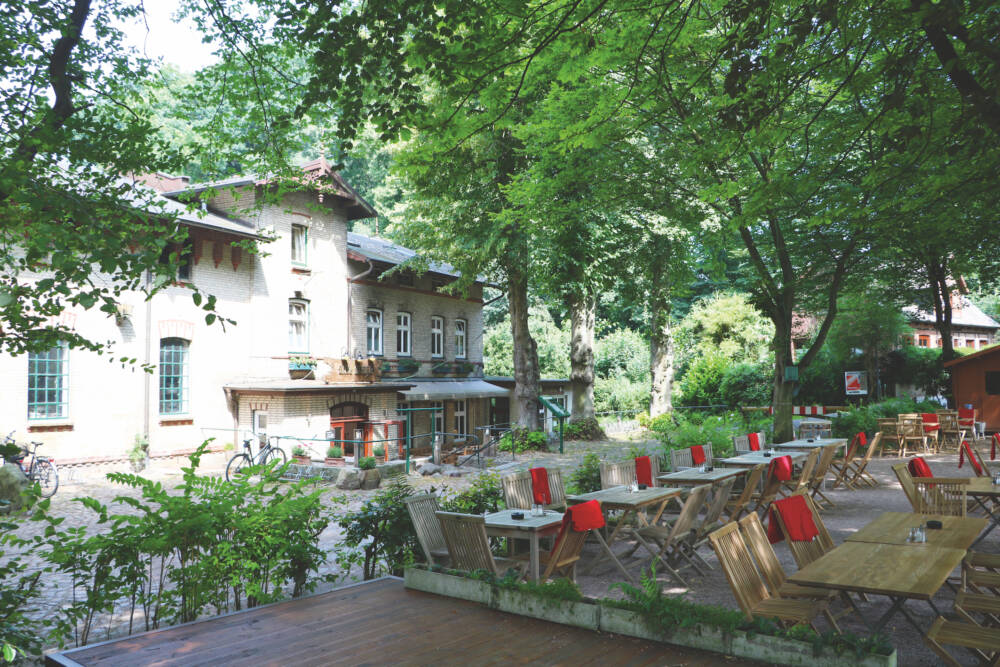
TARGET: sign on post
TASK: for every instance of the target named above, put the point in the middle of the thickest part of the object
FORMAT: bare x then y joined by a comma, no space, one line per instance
856,383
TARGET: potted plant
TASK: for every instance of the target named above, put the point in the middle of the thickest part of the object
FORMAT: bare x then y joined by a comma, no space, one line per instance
370,476
407,366
379,452
138,456
300,455
334,456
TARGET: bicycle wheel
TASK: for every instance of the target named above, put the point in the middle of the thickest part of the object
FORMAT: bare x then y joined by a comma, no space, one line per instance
235,465
44,472
276,454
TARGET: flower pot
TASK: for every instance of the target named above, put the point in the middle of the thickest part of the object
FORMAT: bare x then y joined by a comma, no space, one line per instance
302,460
337,461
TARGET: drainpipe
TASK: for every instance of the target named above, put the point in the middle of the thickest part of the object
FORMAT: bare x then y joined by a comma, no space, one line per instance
350,296
147,377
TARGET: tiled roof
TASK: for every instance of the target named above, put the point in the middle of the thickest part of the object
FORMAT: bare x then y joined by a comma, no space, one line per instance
965,314
381,250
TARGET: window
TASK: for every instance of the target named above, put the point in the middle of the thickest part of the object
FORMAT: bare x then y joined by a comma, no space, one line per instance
993,383
48,383
970,342
437,337
403,334
259,422
940,342
174,383
438,416
298,326
373,329
460,417
460,339
923,340
300,243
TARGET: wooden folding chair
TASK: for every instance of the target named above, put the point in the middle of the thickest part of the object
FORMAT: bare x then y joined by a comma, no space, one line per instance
843,466
981,572
987,470
772,485
984,642
469,547
621,473
932,429
951,434
857,472
889,428
819,475
681,458
517,492
676,542
736,507
801,485
806,552
713,515
942,495
911,430
422,508
741,444
561,560
774,575
967,419
906,481
748,586
987,606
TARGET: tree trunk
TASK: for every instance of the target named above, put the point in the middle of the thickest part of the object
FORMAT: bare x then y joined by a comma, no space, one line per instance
937,278
582,308
525,351
784,390
661,352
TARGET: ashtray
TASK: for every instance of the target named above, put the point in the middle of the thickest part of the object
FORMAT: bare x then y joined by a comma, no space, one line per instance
709,468
767,454
934,524
517,515
642,486
810,439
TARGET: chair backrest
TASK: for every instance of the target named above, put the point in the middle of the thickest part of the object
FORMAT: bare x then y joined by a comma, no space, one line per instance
823,465
942,495
967,417
911,426
806,552
557,488
566,549
422,508
771,487
948,419
684,524
906,481
741,443
752,481
805,476
888,426
517,490
621,473
812,430
872,446
680,458
979,457
767,561
714,512
738,565
468,545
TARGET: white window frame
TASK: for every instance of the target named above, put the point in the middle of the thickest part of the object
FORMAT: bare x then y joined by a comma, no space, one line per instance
437,417
404,334
461,339
298,343
304,230
373,332
437,337
461,412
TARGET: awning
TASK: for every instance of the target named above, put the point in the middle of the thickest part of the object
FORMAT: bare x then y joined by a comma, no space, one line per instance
448,390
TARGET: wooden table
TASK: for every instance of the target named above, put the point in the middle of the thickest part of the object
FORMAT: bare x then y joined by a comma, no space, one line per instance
807,445
898,571
894,528
694,477
756,458
982,490
620,498
531,528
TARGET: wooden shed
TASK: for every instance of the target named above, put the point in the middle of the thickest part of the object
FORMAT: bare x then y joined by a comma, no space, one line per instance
975,379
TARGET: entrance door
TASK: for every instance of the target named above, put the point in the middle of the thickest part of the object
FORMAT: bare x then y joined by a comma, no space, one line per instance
350,421
500,411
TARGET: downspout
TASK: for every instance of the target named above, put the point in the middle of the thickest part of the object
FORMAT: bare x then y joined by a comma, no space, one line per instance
147,376
350,296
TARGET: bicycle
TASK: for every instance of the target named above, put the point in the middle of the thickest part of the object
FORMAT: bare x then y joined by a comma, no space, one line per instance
42,469
245,459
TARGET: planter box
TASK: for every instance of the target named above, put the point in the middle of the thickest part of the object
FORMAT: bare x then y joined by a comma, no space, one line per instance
334,461
580,614
631,623
448,585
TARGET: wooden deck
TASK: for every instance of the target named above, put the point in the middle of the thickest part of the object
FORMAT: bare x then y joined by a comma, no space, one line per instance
379,622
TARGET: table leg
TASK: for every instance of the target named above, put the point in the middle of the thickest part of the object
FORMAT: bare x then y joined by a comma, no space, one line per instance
611,540
611,555
994,521
897,604
659,511
534,555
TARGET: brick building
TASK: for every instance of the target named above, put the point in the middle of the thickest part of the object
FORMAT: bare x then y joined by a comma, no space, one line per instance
327,342
970,327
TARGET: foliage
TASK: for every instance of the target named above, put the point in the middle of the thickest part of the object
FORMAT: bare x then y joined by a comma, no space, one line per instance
680,430
746,385
873,326
21,632
334,452
521,440
140,449
379,535
378,451
724,324
366,463
865,418
622,353
700,385
619,394
552,341
583,429
216,546
921,368
665,614
587,476
485,494
298,450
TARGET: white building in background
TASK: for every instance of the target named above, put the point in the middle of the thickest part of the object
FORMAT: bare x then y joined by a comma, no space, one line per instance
324,345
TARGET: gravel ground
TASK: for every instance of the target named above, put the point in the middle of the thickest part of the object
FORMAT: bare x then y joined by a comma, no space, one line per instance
853,510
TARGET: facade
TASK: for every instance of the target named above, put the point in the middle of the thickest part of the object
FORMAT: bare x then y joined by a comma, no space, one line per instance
327,344
975,381
970,327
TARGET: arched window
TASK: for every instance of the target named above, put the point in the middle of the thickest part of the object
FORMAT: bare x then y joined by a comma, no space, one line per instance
460,338
175,384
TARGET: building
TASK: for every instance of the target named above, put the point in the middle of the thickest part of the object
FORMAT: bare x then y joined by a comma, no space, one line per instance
975,381
328,343
970,327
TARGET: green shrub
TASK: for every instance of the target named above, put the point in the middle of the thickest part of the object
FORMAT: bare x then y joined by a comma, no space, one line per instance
587,477
379,451
584,429
678,430
485,494
298,450
620,394
746,384
334,452
379,536
366,463
521,440
866,418
701,384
